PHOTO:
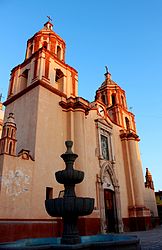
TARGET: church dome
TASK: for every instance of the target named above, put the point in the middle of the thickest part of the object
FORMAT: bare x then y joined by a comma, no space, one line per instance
47,39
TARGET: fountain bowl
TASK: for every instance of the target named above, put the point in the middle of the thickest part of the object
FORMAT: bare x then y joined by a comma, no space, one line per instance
94,242
71,206
69,176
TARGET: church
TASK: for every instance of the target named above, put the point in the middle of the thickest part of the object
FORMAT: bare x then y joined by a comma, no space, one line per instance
42,111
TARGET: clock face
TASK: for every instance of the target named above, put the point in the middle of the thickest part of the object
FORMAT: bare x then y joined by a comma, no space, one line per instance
101,111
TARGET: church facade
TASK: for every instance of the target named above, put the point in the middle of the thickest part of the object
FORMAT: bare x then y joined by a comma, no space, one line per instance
43,110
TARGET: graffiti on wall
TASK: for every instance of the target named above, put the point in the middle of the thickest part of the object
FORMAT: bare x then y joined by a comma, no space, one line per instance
15,182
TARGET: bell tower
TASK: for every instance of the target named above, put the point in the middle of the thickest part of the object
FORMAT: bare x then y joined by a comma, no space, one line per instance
114,99
45,62
38,84
8,140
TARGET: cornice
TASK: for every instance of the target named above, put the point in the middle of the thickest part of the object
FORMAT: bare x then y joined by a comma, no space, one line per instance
75,103
46,32
26,61
121,107
32,86
129,135
104,122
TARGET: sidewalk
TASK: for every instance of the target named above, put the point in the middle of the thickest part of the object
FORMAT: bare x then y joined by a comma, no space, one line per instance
151,239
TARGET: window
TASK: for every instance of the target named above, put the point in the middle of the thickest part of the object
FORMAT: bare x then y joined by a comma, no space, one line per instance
8,131
113,99
30,50
122,100
127,123
104,147
59,52
24,79
103,97
59,78
49,193
105,143
45,45
12,133
10,148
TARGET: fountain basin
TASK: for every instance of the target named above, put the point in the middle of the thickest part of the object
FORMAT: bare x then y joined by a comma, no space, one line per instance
71,206
69,176
95,242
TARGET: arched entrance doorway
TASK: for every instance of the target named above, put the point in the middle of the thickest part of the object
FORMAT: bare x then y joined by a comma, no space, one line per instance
110,210
110,206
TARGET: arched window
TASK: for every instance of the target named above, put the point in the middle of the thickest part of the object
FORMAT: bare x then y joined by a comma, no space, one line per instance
59,79
45,45
24,79
12,133
8,130
103,97
30,50
10,148
127,123
122,100
113,99
59,52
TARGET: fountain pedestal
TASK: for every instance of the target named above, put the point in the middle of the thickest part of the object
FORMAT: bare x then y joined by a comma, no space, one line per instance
69,207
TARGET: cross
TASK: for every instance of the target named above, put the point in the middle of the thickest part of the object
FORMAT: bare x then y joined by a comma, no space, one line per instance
49,19
106,70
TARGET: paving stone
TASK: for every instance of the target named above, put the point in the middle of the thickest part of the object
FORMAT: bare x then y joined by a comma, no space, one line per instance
151,239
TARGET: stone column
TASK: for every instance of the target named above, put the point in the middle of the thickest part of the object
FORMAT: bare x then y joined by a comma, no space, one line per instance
102,209
118,210
70,126
136,170
80,147
127,168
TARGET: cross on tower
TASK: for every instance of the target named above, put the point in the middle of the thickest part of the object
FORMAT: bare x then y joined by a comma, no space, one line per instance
49,19
107,71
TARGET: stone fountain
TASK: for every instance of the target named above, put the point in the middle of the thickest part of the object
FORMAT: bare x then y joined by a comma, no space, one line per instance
69,207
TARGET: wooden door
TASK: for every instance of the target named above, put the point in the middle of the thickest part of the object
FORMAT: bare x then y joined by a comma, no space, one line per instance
110,210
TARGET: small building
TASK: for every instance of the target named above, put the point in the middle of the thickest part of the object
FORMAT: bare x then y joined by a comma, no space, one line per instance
159,204
43,110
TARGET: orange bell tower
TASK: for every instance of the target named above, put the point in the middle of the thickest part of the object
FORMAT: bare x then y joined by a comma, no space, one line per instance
8,140
45,62
115,100
43,74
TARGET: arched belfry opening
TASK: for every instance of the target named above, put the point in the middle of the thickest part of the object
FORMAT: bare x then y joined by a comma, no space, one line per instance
45,44
110,205
113,99
24,79
104,99
58,52
127,123
59,79
122,101
30,50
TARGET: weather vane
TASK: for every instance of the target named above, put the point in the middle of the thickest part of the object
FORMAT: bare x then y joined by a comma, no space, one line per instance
49,19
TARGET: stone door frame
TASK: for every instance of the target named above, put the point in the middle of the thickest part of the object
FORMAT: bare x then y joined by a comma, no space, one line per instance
107,169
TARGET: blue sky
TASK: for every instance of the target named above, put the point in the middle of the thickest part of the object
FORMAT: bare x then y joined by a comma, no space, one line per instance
125,35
